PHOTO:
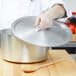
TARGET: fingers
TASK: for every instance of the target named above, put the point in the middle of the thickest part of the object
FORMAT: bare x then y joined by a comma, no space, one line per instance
37,22
44,24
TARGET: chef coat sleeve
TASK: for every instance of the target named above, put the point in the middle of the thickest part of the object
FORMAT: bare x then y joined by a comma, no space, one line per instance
0,6
53,2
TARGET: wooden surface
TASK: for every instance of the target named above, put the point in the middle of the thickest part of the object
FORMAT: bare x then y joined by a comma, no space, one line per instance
64,68
73,38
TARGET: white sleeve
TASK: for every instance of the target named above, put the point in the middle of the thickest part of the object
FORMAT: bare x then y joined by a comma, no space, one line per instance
53,2
0,6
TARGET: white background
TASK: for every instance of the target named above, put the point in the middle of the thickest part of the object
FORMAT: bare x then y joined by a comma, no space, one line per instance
71,4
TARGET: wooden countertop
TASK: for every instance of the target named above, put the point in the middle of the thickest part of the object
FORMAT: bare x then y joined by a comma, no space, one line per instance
64,68
73,38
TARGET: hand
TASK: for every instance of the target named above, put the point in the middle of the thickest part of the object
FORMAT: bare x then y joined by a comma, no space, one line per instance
44,21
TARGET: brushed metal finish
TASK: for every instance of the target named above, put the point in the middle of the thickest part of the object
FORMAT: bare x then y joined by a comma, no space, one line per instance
24,29
15,50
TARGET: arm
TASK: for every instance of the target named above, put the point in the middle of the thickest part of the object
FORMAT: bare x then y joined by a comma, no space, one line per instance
57,11
45,20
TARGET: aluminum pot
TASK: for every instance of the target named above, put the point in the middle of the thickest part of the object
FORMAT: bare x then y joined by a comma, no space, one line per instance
15,50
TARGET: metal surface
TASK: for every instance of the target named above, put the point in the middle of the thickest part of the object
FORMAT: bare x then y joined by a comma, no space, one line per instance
15,50
25,30
70,44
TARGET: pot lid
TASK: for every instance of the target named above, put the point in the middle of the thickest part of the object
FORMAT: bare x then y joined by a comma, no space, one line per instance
24,29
